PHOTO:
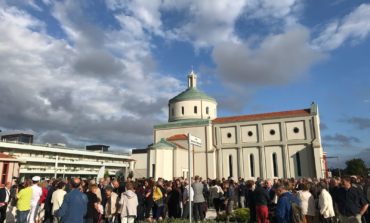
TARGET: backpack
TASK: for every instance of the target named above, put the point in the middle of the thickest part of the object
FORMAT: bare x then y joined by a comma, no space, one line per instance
297,216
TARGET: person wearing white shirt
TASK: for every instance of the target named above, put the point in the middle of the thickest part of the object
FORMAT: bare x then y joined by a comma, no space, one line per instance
36,194
307,203
57,199
325,204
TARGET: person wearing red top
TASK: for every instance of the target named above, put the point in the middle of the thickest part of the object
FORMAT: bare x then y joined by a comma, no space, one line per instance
41,211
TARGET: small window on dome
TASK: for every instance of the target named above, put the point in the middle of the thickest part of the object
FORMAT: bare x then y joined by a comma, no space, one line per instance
207,110
182,110
195,109
173,111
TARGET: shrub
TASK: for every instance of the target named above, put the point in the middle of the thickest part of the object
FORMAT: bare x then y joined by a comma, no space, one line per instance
239,215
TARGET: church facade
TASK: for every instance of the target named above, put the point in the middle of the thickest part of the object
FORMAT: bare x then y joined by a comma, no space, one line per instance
270,145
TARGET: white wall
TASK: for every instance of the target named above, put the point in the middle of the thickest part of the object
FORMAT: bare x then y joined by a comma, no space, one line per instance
189,110
269,151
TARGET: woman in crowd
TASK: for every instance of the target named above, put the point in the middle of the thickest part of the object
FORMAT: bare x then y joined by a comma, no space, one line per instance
173,201
24,196
128,204
57,199
307,203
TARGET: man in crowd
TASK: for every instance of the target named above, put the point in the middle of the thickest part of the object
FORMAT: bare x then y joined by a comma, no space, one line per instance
351,201
74,204
261,199
188,198
198,199
284,205
4,200
36,194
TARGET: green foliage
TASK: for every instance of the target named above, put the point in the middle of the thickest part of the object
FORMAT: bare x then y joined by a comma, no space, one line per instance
169,220
106,174
356,167
239,215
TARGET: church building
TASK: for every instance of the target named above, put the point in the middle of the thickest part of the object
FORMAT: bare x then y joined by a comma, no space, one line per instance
270,145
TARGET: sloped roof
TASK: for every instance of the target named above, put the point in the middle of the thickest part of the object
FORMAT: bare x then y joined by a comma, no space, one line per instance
271,115
6,157
178,137
190,94
163,144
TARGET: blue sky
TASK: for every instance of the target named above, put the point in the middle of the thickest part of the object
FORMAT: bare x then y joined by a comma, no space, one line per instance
83,72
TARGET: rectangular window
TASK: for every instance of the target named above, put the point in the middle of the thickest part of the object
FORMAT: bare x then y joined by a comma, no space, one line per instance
195,109
153,171
252,164
173,111
274,164
182,110
4,174
298,159
230,166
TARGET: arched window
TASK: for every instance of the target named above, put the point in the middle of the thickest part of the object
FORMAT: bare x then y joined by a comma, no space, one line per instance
251,163
195,109
207,110
274,165
230,165
298,159
182,110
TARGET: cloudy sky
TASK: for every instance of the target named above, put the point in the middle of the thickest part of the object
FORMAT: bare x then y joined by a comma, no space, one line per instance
81,72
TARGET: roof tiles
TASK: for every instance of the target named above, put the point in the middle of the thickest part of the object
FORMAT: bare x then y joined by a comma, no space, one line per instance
255,117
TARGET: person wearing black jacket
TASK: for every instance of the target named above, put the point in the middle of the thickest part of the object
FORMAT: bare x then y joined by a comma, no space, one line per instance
250,200
261,199
4,200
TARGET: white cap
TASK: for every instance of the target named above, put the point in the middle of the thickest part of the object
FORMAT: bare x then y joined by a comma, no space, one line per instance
36,178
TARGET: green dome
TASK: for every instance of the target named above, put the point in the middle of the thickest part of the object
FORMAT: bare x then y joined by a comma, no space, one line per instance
192,93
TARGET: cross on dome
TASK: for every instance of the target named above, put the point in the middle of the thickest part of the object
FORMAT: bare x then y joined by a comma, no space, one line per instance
192,79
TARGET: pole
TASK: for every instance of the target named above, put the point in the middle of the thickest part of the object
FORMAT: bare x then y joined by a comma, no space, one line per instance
56,167
189,175
338,166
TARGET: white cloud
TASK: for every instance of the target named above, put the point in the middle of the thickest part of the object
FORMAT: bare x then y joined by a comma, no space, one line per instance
354,27
79,87
279,59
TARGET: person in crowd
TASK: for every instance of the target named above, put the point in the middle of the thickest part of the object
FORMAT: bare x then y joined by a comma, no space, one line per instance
148,202
250,200
229,196
284,204
24,196
173,201
158,199
74,205
92,214
48,205
36,195
261,200
351,202
198,199
139,190
307,203
57,199
216,193
111,207
242,191
41,210
325,205
187,199
4,200
128,204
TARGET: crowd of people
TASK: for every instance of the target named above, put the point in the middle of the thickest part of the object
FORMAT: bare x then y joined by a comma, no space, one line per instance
148,200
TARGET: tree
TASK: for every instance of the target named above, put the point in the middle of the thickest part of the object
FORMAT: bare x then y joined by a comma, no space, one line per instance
356,167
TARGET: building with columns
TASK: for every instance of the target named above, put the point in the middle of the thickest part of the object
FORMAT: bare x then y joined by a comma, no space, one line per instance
270,145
